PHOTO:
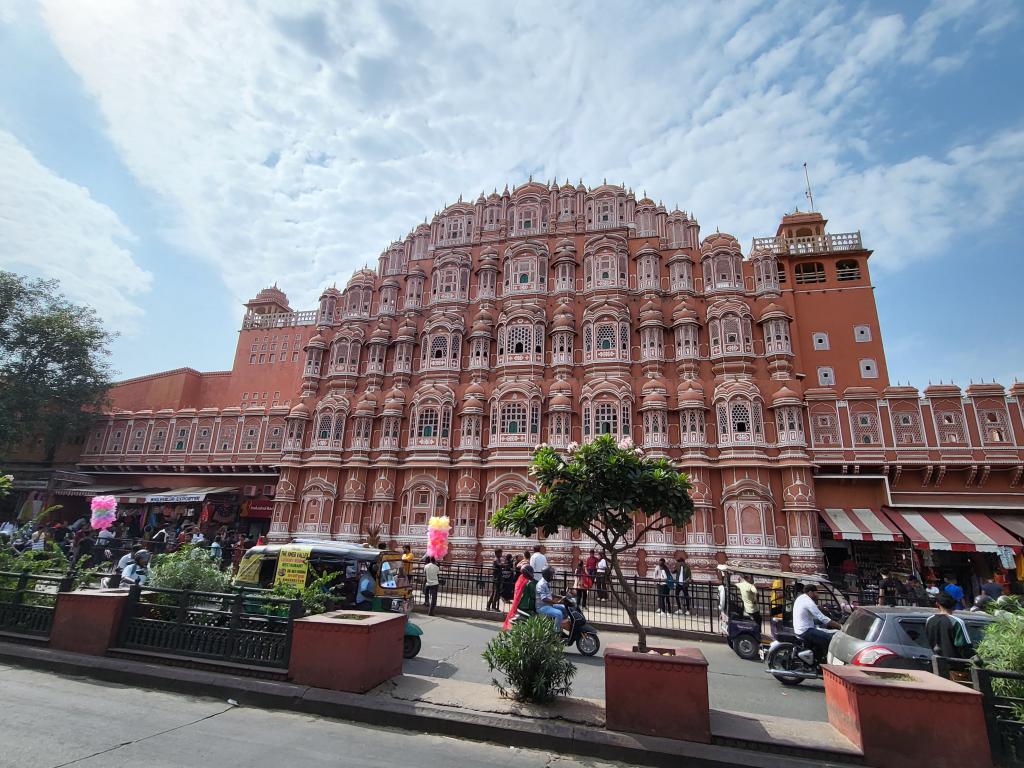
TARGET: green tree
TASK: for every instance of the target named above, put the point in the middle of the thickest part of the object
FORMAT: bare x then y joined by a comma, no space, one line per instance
54,370
611,493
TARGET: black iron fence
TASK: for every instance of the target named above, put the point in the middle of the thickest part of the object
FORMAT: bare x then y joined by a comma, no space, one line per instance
241,628
1002,702
28,601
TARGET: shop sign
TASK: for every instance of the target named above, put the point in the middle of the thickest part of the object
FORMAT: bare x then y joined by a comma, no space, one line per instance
181,498
293,565
262,508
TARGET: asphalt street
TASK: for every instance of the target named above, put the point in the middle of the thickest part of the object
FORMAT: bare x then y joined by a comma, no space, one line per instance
57,722
452,648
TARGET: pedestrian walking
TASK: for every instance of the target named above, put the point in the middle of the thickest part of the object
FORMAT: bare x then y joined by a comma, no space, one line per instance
683,576
946,633
495,596
602,577
431,581
663,575
888,588
916,593
582,584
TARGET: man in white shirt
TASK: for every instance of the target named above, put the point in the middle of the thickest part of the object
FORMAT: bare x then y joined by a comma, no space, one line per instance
538,562
127,558
602,578
807,616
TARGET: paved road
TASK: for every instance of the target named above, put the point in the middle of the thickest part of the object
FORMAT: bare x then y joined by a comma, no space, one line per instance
452,647
60,722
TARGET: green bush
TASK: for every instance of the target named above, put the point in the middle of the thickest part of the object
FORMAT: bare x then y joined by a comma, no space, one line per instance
532,659
1002,647
314,596
189,568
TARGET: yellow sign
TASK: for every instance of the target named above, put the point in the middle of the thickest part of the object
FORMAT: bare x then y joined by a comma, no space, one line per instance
249,569
293,565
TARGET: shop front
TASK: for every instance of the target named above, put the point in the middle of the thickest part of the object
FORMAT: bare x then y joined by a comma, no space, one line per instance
859,543
254,517
210,508
964,545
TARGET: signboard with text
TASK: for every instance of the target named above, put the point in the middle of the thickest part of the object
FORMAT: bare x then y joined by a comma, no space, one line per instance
293,565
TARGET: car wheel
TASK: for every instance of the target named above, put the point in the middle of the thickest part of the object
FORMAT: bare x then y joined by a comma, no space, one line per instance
746,647
411,646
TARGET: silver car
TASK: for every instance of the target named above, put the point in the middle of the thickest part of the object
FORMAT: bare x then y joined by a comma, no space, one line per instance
880,636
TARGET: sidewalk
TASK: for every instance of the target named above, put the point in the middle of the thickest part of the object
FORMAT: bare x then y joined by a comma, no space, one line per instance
474,711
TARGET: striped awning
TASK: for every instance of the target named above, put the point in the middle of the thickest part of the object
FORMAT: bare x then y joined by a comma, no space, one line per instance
861,525
953,531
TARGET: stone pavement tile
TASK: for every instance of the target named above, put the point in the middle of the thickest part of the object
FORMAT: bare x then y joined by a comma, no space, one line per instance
477,697
779,731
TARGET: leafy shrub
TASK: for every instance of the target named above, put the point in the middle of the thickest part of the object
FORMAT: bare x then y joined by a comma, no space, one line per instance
532,659
189,568
314,595
1002,647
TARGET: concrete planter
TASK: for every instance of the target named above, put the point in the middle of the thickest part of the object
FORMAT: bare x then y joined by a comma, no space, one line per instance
352,651
87,621
658,694
900,718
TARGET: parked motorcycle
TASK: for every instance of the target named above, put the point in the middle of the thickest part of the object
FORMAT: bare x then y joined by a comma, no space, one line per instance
578,632
790,661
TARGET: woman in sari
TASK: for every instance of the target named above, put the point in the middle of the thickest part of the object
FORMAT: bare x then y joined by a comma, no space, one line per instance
524,584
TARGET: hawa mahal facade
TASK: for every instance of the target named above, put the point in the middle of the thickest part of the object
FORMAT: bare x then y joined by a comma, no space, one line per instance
553,314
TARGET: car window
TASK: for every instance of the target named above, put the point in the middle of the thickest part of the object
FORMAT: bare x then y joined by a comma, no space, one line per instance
976,629
914,629
861,624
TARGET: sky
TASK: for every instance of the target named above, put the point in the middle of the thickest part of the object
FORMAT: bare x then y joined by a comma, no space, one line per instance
166,160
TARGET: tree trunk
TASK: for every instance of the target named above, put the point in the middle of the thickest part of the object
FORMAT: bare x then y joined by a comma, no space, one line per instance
626,597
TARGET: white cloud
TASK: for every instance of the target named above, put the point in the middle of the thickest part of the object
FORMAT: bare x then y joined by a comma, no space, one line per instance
296,147
53,228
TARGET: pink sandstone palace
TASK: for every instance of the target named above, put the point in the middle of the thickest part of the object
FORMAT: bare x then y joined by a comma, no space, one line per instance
557,313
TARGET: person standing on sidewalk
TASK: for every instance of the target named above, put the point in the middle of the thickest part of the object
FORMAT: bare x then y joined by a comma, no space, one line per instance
538,562
663,575
495,596
683,576
582,584
431,581
602,578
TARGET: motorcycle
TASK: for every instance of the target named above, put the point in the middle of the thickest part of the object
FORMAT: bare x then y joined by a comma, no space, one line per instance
578,632
790,661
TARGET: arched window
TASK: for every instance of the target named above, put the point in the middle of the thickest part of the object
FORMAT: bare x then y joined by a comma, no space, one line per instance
324,431
606,418
513,418
427,423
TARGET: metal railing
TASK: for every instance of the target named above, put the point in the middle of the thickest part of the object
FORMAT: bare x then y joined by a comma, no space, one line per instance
1002,702
28,602
241,628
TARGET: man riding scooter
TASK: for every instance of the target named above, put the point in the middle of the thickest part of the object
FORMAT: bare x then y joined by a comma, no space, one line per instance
547,603
806,619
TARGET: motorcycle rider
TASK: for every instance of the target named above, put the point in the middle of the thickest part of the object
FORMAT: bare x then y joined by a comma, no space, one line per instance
547,603
806,618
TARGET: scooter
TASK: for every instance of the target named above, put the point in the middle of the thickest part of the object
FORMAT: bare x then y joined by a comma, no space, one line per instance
790,661
574,630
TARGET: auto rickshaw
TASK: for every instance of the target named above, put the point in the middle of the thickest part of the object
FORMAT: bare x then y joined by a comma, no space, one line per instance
302,561
746,635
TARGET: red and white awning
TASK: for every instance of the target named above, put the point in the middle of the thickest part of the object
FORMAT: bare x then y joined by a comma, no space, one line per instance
953,531
861,525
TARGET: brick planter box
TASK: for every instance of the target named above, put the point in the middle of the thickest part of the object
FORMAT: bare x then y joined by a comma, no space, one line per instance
902,718
657,695
352,651
87,621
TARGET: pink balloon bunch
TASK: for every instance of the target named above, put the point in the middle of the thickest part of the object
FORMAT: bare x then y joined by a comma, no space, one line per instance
104,511
437,537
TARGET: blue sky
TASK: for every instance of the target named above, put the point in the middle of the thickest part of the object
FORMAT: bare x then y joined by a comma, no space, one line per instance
166,160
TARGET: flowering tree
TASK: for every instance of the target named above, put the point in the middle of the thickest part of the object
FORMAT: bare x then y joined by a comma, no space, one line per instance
609,492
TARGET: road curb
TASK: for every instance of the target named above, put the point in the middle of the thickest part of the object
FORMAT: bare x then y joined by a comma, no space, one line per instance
551,736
